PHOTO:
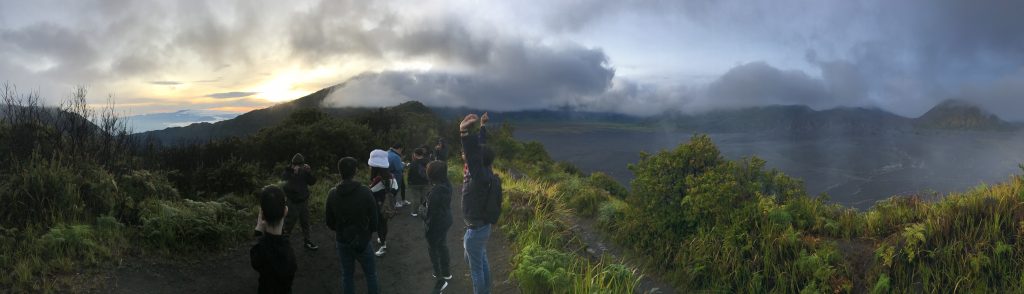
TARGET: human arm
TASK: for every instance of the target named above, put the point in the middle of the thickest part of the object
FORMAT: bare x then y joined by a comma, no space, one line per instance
471,146
308,175
330,218
256,259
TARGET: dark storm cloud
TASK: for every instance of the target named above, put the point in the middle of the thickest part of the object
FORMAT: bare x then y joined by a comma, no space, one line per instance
515,75
231,95
52,50
758,83
905,56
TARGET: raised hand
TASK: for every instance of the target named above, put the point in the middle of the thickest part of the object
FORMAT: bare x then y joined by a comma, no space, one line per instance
467,122
483,119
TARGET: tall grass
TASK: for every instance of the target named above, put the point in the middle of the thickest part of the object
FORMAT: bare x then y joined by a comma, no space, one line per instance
548,255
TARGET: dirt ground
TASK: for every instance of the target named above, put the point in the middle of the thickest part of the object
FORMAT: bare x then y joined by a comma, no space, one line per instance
405,269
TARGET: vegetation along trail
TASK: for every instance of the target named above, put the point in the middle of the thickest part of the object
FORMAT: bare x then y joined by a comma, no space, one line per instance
405,269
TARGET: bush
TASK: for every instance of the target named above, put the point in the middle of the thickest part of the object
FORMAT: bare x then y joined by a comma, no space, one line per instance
541,270
177,227
611,214
604,181
138,186
46,191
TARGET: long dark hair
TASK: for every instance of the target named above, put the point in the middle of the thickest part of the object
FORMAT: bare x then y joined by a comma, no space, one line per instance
437,172
381,172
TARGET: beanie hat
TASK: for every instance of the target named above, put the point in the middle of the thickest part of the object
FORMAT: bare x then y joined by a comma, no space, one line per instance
378,158
298,159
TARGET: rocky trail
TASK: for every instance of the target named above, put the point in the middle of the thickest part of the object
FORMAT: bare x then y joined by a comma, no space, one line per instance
405,269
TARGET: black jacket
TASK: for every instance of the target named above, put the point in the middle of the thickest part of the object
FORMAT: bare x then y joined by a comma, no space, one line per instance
442,153
476,190
296,184
273,258
439,207
350,204
418,172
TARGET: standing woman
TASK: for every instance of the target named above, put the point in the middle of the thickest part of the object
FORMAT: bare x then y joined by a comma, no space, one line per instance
439,220
383,186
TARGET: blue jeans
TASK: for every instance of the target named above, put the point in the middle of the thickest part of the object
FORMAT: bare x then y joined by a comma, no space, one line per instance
348,268
475,243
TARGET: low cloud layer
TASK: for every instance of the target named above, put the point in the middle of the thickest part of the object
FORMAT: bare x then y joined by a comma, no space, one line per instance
622,56
231,95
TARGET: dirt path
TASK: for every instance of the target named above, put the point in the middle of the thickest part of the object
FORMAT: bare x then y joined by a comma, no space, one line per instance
405,269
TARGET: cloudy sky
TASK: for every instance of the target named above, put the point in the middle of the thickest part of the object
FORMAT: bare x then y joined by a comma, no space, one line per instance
636,57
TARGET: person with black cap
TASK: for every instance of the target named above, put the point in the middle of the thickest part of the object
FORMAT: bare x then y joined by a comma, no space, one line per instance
297,178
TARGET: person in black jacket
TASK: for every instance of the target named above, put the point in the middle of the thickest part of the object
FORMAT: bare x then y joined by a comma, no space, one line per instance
352,215
481,200
438,221
441,150
418,182
272,256
297,179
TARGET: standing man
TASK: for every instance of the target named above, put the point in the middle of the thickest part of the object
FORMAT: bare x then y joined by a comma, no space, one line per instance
297,179
352,215
481,201
397,167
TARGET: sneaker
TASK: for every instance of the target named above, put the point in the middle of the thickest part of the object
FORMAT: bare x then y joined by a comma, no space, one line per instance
406,202
415,214
383,249
440,286
449,277
310,246
398,204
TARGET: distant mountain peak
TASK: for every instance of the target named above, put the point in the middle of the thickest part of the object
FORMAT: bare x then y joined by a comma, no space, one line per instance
959,114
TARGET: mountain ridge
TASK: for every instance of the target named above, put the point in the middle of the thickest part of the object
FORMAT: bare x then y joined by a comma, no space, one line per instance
789,119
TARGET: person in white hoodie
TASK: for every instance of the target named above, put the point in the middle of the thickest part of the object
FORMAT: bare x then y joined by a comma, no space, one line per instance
384,188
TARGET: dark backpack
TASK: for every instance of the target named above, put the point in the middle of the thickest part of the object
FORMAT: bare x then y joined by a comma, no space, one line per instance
492,206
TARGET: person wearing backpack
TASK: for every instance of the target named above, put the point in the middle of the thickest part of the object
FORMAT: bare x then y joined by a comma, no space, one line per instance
417,179
384,188
297,178
352,215
481,201
272,256
438,220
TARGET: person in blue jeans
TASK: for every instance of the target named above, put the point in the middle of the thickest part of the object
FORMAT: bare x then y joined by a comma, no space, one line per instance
481,201
352,215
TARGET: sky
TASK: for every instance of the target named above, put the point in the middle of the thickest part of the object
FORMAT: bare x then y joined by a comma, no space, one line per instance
633,57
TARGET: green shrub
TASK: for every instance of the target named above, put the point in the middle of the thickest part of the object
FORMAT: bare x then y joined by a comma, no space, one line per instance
75,242
611,214
173,227
584,200
604,181
540,270
41,192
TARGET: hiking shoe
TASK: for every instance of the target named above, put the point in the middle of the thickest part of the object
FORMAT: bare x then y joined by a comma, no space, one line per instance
310,246
383,249
440,286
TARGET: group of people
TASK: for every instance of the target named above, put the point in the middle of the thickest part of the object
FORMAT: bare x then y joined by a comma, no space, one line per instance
355,211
